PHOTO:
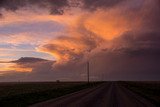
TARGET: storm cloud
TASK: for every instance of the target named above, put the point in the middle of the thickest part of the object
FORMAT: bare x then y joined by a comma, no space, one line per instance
58,7
54,6
119,38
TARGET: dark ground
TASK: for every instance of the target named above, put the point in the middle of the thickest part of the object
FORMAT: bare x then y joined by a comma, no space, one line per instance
80,94
149,90
109,94
22,94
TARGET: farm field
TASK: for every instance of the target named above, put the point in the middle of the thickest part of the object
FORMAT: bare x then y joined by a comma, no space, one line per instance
97,94
26,93
148,89
108,94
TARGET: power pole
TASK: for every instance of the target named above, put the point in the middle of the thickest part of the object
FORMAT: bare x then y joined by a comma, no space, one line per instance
88,71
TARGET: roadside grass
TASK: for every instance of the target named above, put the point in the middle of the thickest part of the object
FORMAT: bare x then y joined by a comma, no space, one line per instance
147,89
24,94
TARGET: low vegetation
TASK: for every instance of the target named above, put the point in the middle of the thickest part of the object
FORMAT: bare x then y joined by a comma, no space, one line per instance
149,90
24,94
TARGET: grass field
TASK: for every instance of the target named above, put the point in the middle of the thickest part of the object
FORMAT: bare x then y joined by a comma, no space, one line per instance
23,94
148,89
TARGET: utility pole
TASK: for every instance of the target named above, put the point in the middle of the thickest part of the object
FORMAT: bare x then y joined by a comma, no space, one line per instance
88,71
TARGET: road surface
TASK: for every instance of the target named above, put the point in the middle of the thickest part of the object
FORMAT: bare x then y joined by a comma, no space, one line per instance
104,95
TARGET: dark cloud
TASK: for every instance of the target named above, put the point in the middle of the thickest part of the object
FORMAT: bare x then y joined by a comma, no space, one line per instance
134,55
58,6
44,70
29,60
138,43
24,60
0,15
125,67
96,4
152,16
54,6
39,66
12,4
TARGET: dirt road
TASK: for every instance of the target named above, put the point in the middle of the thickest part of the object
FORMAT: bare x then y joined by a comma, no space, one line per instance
104,95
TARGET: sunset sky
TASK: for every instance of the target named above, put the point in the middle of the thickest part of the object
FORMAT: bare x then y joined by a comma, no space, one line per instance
45,40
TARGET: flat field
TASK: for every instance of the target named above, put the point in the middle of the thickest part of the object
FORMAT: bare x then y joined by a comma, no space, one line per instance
21,94
148,89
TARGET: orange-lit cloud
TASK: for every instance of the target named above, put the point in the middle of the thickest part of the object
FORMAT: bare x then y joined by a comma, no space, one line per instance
24,64
86,29
7,68
89,31
119,37
109,25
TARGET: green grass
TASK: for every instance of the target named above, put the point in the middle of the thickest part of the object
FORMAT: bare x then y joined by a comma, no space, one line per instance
149,90
24,94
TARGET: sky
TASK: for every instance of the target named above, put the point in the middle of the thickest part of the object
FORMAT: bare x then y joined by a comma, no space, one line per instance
50,40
